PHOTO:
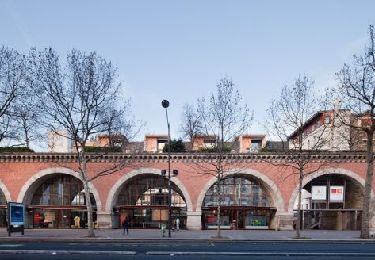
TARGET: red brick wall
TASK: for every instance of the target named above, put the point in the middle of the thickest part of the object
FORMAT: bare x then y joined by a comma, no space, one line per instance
191,174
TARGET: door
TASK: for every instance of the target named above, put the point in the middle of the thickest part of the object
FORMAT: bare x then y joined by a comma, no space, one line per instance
240,219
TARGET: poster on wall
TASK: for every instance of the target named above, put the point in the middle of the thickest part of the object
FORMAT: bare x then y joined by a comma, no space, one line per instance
319,192
16,214
336,193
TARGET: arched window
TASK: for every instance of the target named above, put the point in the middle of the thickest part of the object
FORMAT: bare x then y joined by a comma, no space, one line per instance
149,191
58,201
61,190
237,191
144,200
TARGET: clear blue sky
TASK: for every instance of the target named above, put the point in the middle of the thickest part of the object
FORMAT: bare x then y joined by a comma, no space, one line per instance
178,50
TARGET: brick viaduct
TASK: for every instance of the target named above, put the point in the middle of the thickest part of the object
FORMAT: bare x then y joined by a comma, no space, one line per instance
20,172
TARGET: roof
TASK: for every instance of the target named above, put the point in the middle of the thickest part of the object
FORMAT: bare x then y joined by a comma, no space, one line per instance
308,122
254,135
157,136
311,119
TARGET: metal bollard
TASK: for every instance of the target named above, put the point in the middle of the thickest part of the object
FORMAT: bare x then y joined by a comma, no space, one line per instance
163,228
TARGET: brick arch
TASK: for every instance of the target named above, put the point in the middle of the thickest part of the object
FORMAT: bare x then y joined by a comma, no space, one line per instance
5,190
29,184
116,188
322,172
271,187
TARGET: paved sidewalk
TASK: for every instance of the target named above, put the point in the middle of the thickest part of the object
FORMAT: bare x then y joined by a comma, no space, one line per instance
154,234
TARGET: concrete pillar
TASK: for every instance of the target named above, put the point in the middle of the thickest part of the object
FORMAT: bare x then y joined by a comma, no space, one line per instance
339,224
283,221
104,219
194,220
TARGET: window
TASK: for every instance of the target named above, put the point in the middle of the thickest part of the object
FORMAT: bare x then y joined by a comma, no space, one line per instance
327,120
161,144
237,191
209,143
255,145
149,191
61,190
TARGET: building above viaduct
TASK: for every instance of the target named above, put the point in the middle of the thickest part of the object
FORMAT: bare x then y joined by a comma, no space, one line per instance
260,190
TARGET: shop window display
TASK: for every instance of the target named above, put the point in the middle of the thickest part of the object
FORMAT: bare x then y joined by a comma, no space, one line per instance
245,204
144,201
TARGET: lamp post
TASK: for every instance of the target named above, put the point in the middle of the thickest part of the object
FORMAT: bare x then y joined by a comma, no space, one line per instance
165,104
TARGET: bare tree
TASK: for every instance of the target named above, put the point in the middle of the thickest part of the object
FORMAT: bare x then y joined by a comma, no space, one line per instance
12,82
191,123
357,91
27,113
287,119
27,120
227,117
119,123
73,98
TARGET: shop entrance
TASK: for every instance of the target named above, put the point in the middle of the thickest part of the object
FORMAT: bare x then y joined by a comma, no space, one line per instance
245,204
58,201
144,201
238,218
150,217
57,217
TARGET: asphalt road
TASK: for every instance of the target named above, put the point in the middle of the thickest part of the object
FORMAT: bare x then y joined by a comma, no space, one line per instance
188,250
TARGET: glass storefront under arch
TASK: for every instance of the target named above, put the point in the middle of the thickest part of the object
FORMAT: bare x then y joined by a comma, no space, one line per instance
3,208
244,204
59,202
144,200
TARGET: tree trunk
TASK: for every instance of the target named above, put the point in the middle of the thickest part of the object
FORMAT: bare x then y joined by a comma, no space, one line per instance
26,132
300,168
218,220
83,170
365,228
219,173
90,222
298,224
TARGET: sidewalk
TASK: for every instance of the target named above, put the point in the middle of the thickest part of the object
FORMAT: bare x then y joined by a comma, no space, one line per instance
156,235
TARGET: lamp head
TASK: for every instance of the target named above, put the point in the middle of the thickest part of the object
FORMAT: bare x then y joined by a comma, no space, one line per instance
165,103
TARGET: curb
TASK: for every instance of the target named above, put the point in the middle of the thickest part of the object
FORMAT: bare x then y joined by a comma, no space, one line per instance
179,240
178,253
258,253
67,252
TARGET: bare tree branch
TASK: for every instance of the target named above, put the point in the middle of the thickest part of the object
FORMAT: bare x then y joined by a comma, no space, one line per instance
288,119
357,91
78,97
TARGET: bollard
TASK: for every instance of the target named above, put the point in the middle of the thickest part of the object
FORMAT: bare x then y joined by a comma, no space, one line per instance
163,228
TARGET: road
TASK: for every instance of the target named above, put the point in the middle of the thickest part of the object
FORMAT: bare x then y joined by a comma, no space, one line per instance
187,250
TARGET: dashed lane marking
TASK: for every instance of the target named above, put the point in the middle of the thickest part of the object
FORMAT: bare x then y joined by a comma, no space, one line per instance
12,245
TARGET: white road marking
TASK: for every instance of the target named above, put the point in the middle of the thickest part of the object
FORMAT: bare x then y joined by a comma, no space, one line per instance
11,245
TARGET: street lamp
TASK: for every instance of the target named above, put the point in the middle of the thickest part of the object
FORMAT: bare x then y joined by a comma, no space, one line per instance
165,104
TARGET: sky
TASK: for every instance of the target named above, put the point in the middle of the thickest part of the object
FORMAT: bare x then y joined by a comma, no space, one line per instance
178,50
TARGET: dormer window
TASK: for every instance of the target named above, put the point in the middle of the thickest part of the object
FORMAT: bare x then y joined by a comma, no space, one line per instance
161,144
255,145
